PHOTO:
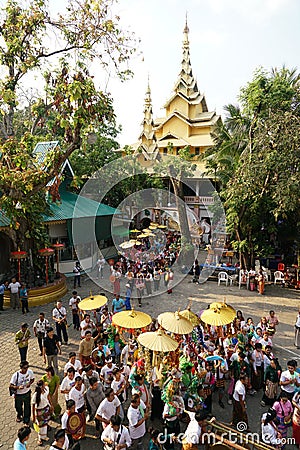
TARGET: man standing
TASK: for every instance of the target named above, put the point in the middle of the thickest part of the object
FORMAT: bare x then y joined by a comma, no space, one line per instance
59,315
21,339
137,415
73,362
106,371
196,427
14,287
118,304
51,348
73,303
100,266
94,396
76,271
239,413
2,289
85,349
109,407
21,381
86,325
116,435
40,328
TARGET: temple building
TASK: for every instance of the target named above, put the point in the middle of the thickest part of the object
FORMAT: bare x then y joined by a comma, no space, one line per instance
187,122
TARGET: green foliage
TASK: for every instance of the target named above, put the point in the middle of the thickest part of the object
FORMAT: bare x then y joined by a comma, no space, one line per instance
69,107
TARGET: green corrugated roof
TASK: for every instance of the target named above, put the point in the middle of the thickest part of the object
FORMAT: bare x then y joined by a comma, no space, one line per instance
85,207
42,148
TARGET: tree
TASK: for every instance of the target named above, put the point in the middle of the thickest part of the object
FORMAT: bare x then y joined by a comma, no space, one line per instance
260,190
69,108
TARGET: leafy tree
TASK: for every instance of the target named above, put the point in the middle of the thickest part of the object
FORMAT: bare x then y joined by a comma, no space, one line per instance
70,106
260,188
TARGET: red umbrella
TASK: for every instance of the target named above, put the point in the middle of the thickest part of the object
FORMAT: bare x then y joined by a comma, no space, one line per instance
18,256
46,252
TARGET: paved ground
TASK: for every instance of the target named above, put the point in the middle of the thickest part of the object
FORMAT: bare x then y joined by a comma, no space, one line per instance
284,301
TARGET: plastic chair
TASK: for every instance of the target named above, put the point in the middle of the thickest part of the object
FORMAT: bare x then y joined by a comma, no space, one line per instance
243,278
223,276
278,276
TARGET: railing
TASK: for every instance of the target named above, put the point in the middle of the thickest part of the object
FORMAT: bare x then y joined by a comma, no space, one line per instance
196,200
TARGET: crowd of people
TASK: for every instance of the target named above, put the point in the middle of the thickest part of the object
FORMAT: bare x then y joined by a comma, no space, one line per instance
108,382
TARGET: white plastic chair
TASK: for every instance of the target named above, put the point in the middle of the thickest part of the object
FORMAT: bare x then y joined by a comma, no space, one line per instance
243,278
223,276
278,276
232,279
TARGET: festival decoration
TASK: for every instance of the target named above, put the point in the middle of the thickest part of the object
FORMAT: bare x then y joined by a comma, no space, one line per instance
157,341
92,302
175,323
18,256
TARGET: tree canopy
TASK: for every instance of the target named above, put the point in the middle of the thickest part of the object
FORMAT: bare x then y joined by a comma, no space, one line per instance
68,106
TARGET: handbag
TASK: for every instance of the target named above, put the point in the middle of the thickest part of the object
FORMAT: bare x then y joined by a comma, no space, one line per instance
12,390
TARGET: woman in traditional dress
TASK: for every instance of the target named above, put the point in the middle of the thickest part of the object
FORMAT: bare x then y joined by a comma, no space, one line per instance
140,286
284,411
41,410
296,418
297,331
115,279
261,282
53,382
272,377
257,367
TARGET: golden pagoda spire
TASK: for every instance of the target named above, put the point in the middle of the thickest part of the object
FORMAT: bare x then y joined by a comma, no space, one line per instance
147,138
186,84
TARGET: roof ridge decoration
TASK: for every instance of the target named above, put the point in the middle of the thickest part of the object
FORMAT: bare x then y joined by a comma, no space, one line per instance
148,143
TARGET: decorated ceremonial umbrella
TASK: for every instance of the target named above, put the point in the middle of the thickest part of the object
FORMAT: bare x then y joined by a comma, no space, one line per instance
134,231
46,252
192,317
127,244
175,323
18,256
143,235
162,226
92,302
158,341
153,227
131,320
57,247
218,315
135,242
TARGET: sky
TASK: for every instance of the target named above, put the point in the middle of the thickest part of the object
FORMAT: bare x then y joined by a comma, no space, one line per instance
229,39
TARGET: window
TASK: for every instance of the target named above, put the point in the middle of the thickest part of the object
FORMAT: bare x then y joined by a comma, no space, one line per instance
197,151
165,151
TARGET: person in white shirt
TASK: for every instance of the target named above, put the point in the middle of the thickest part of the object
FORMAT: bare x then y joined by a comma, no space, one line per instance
73,362
194,429
239,413
61,441
73,303
100,265
115,436
137,415
21,381
106,371
86,325
59,315
77,394
14,287
269,433
290,379
109,407
87,374
68,382
40,327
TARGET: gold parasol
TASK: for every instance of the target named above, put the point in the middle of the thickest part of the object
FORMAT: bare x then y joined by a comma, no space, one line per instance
220,305
162,226
146,230
153,227
175,323
92,302
218,315
143,235
135,242
192,317
126,244
131,319
158,341
134,231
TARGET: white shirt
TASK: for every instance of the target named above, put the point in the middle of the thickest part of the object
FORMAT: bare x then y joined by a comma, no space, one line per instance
59,313
193,431
224,366
73,302
106,371
43,401
14,287
116,386
286,375
268,432
134,415
41,325
67,384
89,326
77,366
77,396
298,321
107,409
22,379
110,433
239,389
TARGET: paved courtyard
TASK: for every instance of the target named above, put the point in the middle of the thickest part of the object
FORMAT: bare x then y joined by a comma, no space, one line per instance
284,301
